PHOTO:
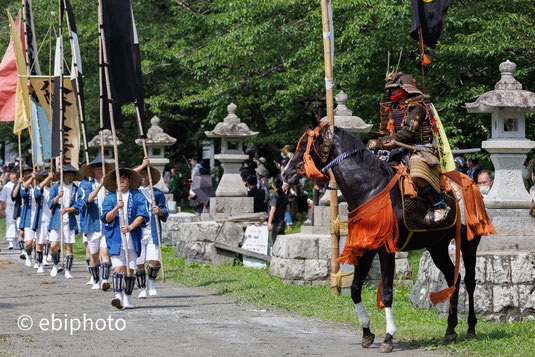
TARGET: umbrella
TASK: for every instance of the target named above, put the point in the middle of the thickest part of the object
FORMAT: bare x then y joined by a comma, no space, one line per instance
203,187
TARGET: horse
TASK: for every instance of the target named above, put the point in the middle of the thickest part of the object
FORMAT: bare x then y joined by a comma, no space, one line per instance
360,176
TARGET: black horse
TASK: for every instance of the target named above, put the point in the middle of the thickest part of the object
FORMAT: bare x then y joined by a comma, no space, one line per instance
360,177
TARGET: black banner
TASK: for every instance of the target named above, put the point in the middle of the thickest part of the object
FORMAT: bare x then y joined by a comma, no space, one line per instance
429,15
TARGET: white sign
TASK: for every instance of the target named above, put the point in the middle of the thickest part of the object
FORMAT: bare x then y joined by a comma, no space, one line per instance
255,240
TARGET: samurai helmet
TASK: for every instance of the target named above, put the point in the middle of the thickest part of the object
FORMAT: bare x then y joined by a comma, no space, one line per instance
403,81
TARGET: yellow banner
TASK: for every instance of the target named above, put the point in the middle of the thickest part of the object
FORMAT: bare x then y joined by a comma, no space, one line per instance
22,99
446,157
44,89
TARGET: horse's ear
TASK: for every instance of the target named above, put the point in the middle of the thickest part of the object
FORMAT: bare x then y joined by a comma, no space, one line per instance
314,121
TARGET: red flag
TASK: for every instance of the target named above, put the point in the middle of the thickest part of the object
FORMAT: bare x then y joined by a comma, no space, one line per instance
8,80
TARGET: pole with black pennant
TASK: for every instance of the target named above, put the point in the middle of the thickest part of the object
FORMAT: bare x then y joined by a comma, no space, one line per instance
113,132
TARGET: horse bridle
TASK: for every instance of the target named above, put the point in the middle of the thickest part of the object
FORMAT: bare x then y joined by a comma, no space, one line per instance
309,168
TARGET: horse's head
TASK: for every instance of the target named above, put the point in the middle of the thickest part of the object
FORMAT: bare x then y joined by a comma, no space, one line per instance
311,155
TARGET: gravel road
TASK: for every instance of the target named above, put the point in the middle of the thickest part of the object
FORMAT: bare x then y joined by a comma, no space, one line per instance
71,320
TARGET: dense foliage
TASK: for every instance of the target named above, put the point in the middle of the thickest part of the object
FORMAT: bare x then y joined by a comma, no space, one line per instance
267,57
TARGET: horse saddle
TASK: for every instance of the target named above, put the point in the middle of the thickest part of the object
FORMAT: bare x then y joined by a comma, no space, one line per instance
415,208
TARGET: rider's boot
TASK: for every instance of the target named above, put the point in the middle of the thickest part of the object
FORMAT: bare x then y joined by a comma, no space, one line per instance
439,210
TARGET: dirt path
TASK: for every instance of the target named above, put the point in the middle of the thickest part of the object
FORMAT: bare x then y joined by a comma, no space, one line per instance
181,321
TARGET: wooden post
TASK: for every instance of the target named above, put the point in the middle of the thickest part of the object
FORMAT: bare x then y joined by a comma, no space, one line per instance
113,133
78,95
330,117
151,190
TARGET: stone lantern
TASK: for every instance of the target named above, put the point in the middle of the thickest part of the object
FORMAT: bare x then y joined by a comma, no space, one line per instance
344,118
156,142
107,139
231,194
508,201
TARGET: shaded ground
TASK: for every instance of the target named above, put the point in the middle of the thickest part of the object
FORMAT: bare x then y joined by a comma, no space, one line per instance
182,321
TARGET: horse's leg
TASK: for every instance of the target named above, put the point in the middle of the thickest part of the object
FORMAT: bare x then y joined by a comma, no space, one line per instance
469,250
441,258
361,271
387,281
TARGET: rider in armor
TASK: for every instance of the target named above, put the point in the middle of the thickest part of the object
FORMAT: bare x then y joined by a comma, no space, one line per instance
406,120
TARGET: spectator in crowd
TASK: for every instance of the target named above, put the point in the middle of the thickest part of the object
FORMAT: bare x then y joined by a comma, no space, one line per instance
277,209
460,164
485,179
257,194
248,166
174,183
286,152
263,184
262,162
167,177
473,168
194,202
301,199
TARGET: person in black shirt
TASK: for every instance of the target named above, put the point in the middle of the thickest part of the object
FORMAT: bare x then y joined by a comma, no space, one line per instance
277,208
257,193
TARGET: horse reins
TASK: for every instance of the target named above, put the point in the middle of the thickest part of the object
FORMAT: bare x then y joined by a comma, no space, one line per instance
309,168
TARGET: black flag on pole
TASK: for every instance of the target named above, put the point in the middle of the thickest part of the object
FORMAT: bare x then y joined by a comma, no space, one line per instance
124,61
76,64
429,15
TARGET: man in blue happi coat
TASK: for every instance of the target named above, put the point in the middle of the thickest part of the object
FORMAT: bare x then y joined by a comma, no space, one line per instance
90,199
128,236
150,250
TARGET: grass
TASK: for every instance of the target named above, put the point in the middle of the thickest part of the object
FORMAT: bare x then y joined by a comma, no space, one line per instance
418,327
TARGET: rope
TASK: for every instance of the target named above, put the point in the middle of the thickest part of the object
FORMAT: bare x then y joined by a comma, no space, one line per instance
338,159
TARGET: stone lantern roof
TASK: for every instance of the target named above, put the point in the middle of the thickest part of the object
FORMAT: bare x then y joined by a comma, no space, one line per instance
344,118
231,126
156,136
507,95
106,138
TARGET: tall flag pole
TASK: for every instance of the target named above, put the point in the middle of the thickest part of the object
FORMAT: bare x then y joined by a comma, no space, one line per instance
22,113
101,102
58,114
329,85
112,126
76,73
142,135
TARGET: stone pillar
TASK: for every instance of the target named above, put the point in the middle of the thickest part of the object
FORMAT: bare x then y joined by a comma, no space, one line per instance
508,201
231,194
156,142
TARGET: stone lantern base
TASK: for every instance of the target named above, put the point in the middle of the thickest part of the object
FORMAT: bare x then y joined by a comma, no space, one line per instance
222,207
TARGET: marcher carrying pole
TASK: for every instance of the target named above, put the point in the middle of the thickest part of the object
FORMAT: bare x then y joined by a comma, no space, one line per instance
327,55
114,137
78,94
140,125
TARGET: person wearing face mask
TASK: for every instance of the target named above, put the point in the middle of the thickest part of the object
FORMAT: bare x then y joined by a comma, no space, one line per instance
485,179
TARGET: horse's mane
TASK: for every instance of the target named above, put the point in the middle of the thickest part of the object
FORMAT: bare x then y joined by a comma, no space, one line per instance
350,143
